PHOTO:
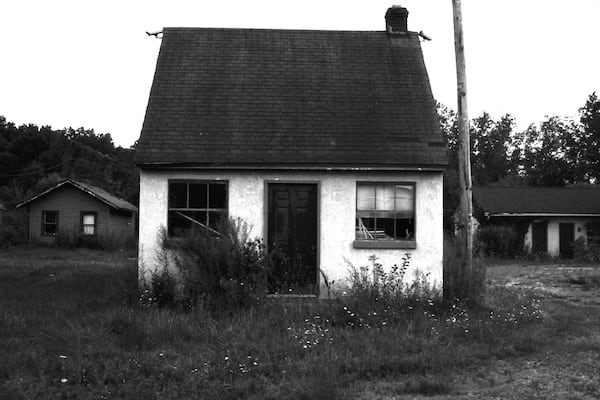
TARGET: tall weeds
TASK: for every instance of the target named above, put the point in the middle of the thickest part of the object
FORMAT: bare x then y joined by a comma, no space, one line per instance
466,285
222,274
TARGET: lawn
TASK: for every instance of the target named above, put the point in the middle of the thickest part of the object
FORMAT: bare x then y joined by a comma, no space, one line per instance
71,327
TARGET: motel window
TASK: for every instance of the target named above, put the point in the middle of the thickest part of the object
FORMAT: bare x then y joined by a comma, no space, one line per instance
385,215
88,223
196,206
49,223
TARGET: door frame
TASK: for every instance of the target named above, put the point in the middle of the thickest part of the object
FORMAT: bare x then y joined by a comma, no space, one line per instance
317,184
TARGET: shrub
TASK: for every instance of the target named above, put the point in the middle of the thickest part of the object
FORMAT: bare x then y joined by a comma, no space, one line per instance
13,229
222,273
378,296
586,250
497,241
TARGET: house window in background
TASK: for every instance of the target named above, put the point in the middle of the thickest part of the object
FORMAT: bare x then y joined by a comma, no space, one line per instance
88,223
196,206
49,223
385,211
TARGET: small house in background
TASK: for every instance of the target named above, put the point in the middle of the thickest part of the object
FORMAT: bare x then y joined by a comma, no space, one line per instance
550,219
327,143
77,209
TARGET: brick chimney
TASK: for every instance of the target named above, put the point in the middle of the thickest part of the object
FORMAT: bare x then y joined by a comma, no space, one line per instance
396,19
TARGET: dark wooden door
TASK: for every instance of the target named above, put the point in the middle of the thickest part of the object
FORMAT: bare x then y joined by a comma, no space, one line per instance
566,239
292,232
539,237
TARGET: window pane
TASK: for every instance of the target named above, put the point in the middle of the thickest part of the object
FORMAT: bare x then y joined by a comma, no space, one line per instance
177,195
89,219
217,195
385,229
405,198
365,228
50,217
198,195
88,229
215,218
405,228
178,225
365,197
385,197
50,229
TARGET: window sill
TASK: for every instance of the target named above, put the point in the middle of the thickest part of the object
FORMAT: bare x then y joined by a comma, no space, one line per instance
384,244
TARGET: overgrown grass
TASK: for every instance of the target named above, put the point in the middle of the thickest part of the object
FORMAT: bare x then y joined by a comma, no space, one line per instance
71,327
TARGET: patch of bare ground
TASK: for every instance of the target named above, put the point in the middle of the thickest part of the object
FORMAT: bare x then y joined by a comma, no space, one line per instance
565,366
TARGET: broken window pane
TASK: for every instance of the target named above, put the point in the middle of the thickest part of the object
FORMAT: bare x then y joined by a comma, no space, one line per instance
215,218
192,207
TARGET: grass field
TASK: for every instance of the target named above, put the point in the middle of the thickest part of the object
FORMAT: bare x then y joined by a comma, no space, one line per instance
71,327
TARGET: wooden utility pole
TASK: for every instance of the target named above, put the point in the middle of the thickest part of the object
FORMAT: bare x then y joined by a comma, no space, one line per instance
464,153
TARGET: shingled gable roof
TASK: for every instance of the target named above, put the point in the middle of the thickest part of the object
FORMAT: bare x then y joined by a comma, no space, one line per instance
100,194
255,98
538,201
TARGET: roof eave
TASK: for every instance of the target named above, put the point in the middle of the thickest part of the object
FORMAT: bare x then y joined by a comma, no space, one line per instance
266,167
542,214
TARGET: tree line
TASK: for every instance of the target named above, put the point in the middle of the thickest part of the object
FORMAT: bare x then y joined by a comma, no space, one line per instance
557,152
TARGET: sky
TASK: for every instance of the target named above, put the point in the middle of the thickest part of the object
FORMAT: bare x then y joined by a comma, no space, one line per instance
68,63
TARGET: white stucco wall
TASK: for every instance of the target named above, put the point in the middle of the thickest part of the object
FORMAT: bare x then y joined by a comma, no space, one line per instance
337,203
553,233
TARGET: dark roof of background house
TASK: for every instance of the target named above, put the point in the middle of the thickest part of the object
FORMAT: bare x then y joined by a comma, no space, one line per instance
100,194
538,200
255,97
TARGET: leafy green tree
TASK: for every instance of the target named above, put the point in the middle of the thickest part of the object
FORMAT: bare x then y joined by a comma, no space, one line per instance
491,146
590,141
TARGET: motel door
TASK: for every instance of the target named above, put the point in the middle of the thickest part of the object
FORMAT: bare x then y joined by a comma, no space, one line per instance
566,239
539,237
292,232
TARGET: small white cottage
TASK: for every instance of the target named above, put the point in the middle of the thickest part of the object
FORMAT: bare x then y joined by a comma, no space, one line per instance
327,143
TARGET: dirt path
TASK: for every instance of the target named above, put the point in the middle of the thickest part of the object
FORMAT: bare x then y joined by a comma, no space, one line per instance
570,282
569,372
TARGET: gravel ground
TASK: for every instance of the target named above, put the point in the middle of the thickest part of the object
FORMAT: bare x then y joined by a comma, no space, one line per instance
567,372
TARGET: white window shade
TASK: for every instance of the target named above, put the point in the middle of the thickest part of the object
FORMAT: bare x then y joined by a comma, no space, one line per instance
89,224
365,197
405,198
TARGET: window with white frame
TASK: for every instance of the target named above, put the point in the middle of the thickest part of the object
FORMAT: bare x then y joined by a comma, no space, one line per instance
195,206
88,223
385,211
49,223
